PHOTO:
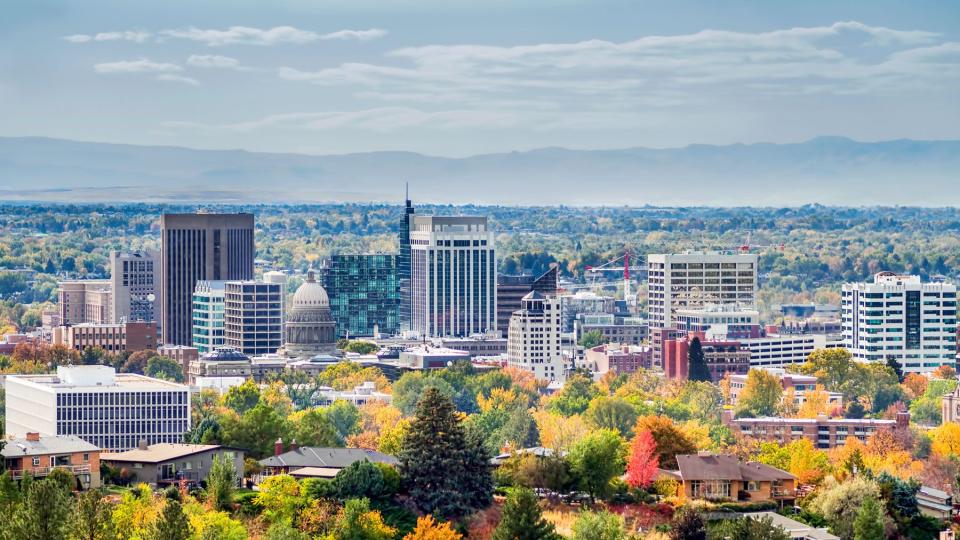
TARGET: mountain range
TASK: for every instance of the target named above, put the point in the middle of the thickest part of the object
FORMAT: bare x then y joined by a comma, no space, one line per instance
825,170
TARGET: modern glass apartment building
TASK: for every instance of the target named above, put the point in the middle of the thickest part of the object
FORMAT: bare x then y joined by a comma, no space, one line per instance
114,411
453,276
898,317
208,302
364,293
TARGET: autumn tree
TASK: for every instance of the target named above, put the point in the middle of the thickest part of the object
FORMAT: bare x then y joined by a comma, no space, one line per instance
687,524
815,403
91,520
670,439
575,397
611,413
358,522
644,461
761,394
429,529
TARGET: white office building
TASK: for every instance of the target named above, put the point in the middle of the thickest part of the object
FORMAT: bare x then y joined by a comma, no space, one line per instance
898,317
695,280
774,351
113,411
453,276
208,307
533,339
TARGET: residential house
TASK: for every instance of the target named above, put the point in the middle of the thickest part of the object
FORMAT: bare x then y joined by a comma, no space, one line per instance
167,464
724,477
317,462
37,455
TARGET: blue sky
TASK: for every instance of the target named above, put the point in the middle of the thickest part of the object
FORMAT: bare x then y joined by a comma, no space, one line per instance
458,78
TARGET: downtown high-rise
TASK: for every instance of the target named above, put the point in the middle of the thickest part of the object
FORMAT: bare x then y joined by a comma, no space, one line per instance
199,247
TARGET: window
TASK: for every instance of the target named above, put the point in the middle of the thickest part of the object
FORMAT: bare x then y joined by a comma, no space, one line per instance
86,458
753,486
36,462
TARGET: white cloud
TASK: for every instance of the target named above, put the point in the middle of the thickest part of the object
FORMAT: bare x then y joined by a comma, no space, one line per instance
244,35
360,35
213,61
169,77
136,36
142,65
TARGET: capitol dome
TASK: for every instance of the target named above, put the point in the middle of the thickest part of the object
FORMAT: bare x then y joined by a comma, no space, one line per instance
310,327
311,294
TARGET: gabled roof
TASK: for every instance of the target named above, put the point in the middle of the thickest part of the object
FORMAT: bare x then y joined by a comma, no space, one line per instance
725,467
315,456
47,445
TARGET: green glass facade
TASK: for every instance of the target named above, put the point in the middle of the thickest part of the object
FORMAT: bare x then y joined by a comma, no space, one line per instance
364,292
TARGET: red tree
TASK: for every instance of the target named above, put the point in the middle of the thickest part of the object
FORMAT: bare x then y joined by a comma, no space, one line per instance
644,460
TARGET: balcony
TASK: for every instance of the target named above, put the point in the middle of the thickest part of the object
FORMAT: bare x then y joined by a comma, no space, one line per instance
784,494
39,472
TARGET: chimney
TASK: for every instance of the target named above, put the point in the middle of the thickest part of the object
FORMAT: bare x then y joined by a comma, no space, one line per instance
33,437
903,420
142,445
293,445
278,447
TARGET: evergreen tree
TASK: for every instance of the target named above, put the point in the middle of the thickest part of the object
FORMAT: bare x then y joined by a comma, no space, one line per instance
477,480
869,522
896,367
43,514
221,482
9,494
361,479
92,519
437,463
172,524
696,363
523,520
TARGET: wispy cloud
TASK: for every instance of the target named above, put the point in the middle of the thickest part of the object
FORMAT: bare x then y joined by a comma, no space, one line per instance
136,36
381,119
213,61
170,77
143,65
246,35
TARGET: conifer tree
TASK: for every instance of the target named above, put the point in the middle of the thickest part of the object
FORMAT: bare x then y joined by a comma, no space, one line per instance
523,520
440,465
43,514
92,519
9,494
869,522
697,364
172,524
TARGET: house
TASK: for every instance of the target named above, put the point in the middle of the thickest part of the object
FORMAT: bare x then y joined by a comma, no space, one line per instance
38,455
795,529
935,503
317,462
167,463
724,477
538,451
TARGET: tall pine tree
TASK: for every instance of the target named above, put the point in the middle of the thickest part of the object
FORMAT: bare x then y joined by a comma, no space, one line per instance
43,514
441,465
697,364
172,524
868,524
523,520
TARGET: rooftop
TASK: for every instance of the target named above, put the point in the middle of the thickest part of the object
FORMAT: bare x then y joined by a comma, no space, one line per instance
158,453
314,456
46,445
94,377
726,467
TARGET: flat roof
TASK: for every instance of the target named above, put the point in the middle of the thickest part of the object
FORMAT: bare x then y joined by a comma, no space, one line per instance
122,381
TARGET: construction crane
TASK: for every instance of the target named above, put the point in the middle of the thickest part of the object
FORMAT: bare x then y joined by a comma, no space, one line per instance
746,247
613,266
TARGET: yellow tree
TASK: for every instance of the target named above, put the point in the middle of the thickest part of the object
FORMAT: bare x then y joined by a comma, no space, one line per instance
429,529
557,432
946,439
815,403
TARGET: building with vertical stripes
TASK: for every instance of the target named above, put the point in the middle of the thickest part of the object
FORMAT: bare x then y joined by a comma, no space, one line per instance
453,276
198,247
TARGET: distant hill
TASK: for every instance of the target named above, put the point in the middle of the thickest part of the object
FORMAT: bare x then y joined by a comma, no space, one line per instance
826,170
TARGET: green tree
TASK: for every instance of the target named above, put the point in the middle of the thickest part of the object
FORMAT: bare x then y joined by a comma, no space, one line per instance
171,524
361,347
410,387
433,460
63,477
761,394
591,339
358,522
361,479
92,518
596,459
696,362
10,495
284,531
601,525
868,524
612,413
522,519
575,397
221,482
242,398
748,529
345,418
313,427
279,496
161,367
255,430
43,514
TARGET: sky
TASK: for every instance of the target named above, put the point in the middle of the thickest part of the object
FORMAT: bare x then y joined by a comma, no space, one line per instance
456,78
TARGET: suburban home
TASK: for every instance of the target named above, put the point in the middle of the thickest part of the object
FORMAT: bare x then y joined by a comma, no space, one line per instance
37,455
724,477
317,462
538,451
795,529
935,503
167,463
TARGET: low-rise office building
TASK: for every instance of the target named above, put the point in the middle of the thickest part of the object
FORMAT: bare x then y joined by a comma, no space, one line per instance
619,358
113,411
168,464
431,357
822,431
799,385
85,301
613,328
360,395
779,350
37,455
113,338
